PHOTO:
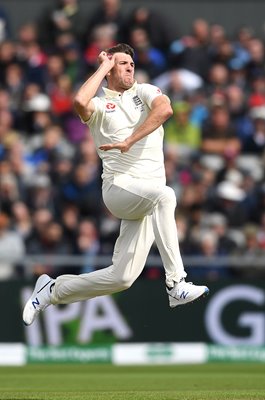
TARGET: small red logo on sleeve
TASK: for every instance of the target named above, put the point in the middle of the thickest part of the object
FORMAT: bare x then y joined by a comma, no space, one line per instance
158,90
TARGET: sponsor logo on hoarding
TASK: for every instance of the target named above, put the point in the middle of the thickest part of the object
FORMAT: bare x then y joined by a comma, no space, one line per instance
251,324
98,314
68,354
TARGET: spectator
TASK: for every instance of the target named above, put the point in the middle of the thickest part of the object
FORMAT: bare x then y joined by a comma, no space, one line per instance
53,145
230,170
49,241
187,243
14,77
88,245
4,100
251,188
74,62
22,222
61,171
65,16
37,111
7,132
102,37
257,90
192,52
19,165
261,231
218,134
217,35
55,67
9,191
172,170
179,84
7,56
27,34
255,143
40,219
108,12
256,51
200,111
83,190
209,248
218,79
252,244
217,223
180,132
243,37
251,250
35,64
5,28
237,105
61,98
30,54
196,193
238,73
257,216
229,202
69,218
12,249
223,52
241,56
40,193
87,154
147,57
161,31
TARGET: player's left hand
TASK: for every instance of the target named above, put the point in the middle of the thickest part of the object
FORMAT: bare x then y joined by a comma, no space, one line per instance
122,146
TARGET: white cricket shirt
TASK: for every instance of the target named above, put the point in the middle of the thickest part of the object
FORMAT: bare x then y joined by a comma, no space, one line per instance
117,116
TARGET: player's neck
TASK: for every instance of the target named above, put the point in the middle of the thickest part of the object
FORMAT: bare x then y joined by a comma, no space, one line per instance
115,88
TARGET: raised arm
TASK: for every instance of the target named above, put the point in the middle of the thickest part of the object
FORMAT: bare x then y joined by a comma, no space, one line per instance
82,101
160,111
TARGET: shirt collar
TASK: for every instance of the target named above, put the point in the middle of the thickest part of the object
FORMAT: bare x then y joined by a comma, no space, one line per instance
110,94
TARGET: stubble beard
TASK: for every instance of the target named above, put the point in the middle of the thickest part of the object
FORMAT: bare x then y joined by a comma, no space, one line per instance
127,82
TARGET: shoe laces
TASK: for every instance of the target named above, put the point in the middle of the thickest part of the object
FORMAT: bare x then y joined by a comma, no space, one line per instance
183,281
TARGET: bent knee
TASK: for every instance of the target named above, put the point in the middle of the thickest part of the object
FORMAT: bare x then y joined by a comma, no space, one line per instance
168,197
125,283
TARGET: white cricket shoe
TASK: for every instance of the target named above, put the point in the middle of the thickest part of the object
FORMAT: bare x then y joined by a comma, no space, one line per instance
39,300
185,292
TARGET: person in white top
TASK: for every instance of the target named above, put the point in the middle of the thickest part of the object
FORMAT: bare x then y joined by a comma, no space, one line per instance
126,124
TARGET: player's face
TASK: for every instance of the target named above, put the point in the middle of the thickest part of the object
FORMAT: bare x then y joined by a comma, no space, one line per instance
122,74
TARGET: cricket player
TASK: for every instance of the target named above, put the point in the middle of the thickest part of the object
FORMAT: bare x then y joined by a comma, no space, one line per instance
126,124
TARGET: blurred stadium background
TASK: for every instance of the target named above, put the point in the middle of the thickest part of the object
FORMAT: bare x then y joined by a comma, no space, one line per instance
209,58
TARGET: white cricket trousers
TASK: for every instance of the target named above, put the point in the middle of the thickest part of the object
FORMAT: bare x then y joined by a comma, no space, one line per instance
147,212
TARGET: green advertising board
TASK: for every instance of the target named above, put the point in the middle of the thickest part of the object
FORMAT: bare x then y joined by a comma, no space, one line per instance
232,315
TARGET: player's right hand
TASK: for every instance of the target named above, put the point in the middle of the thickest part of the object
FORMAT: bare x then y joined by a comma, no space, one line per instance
108,59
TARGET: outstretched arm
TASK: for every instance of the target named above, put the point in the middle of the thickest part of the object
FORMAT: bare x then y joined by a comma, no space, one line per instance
160,111
82,101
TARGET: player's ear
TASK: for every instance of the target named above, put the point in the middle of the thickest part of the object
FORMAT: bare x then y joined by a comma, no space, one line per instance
108,74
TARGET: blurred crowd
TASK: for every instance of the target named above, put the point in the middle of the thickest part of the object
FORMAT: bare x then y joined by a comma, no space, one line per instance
50,181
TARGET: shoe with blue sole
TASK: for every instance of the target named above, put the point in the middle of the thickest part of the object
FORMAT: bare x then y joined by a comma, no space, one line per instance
39,300
185,292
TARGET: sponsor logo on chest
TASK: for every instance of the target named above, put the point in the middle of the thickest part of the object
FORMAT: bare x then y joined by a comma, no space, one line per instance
110,107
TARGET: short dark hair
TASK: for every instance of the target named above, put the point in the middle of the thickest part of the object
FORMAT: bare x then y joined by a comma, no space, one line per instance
121,48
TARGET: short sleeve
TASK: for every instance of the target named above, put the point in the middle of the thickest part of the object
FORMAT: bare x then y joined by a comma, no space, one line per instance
149,92
98,107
